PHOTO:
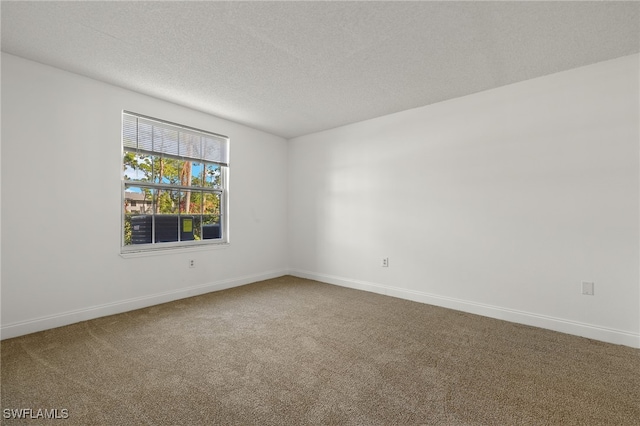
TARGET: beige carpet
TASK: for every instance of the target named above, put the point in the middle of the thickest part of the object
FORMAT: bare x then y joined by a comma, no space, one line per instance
290,351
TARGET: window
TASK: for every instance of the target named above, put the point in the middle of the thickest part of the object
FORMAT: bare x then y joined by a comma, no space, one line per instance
174,185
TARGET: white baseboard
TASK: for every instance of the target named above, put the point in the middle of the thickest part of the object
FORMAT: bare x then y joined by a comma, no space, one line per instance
21,328
589,331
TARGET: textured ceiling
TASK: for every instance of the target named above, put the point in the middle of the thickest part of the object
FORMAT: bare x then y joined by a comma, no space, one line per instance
293,68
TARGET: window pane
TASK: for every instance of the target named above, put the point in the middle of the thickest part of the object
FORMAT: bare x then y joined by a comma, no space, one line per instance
158,169
211,204
197,171
186,227
211,217
177,172
212,176
127,230
166,228
137,218
167,201
197,228
210,228
138,200
187,173
136,167
141,228
190,202
166,170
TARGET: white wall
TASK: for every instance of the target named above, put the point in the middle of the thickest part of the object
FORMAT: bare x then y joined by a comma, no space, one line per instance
499,203
60,257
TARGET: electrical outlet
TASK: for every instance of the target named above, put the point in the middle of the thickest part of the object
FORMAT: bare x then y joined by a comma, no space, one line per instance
192,263
588,288
385,262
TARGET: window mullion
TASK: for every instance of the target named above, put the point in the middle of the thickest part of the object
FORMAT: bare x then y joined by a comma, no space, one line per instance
168,186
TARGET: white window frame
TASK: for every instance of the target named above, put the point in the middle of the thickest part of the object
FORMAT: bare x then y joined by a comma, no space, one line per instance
217,154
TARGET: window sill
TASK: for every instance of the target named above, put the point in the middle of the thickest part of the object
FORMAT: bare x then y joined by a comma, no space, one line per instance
173,250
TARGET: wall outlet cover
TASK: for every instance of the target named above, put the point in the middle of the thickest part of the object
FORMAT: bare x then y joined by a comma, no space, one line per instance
588,288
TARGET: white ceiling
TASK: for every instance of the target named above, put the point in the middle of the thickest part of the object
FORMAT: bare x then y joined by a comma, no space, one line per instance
293,68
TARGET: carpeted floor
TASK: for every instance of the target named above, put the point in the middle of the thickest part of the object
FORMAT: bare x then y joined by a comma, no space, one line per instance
290,351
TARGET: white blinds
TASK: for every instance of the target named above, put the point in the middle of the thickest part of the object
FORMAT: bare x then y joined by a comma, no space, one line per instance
144,134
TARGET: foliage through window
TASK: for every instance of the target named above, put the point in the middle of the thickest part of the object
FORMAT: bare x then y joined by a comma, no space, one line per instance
174,184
